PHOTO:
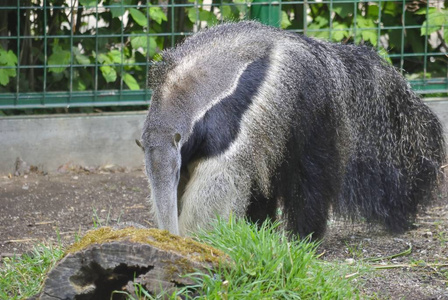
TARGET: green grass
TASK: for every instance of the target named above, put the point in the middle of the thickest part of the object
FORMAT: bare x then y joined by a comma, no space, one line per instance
269,266
355,250
22,276
264,265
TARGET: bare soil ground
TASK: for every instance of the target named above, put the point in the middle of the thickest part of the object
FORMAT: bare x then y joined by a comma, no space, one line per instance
38,208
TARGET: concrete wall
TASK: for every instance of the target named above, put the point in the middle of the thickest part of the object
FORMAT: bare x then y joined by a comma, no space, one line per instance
441,110
51,141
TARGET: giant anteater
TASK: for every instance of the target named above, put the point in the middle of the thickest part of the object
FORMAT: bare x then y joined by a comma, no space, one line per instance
251,120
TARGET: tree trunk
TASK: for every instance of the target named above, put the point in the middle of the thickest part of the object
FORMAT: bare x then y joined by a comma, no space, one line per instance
108,260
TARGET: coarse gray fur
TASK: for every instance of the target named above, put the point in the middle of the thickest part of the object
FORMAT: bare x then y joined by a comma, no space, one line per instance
328,124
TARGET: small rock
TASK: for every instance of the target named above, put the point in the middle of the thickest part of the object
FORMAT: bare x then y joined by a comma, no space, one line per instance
427,234
350,261
21,167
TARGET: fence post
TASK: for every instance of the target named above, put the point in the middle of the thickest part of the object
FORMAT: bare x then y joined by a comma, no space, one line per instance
266,11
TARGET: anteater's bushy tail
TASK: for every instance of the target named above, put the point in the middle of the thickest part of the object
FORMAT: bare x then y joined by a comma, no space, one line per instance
396,154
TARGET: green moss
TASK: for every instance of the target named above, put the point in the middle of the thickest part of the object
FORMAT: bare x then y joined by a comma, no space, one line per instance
179,266
161,239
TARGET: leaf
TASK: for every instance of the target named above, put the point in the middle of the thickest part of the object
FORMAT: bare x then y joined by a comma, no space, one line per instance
193,14
241,6
109,73
364,23
3,57
209,17
390,8
139,41
88,2
319,28
138,17
4,77
82,79
427,29
226,12
59,57
285,20
316,31
373,11
439,18
340,31
200,14
367,34
11,72
104,59
371,36
130,62
434,21
82,59
156,13
12,58
343,9
143,42
119,10
115,56
422,11
321,21
79,85
130,81
7,58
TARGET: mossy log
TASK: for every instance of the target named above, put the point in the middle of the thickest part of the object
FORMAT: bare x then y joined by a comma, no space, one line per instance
108,260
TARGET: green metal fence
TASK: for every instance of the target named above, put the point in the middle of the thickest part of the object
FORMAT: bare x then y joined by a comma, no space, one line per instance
68,53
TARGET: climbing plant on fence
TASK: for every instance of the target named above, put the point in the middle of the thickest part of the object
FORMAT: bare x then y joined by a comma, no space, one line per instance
61,53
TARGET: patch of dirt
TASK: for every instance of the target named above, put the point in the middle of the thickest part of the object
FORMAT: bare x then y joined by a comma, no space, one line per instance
38,208
413,265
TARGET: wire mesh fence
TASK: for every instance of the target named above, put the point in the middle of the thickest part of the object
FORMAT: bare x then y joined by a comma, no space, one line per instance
68,53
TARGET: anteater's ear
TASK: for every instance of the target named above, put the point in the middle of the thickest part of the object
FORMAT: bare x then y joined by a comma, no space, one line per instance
139,143
176,139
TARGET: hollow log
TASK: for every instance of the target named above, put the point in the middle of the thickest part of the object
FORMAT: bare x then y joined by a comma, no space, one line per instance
107,260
